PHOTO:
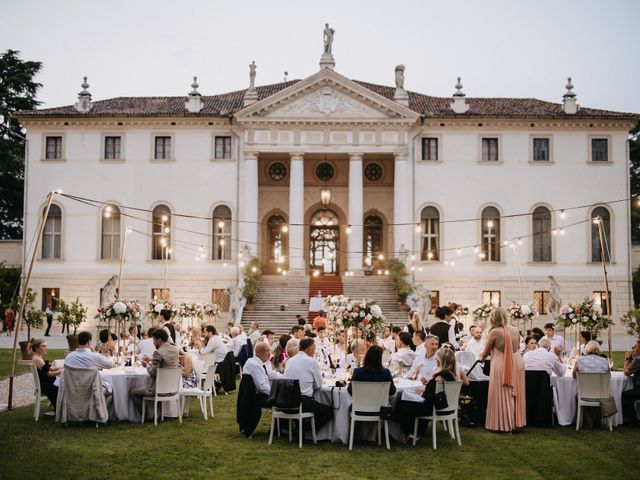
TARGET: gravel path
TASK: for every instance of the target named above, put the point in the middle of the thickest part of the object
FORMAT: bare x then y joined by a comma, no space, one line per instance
22,391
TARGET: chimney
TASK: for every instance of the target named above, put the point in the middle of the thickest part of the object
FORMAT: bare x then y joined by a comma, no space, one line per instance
194,99
83,105
459,104
569,104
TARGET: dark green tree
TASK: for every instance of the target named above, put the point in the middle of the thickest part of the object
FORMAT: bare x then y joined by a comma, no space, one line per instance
17,92
634,178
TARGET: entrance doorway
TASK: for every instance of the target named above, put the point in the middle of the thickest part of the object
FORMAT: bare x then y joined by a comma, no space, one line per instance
324,238
277,239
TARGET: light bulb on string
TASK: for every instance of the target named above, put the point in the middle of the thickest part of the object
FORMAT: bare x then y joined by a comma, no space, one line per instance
459,251
419,269
505,243
563,214
221,224
562,232
554,232
348,229
418,228
476,249
285,229
381,257
481,256
519,241
430,255
254,269
490,223
386,272
413,257
165,218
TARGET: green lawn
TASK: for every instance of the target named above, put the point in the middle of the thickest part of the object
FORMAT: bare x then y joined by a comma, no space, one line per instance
5,361
214,449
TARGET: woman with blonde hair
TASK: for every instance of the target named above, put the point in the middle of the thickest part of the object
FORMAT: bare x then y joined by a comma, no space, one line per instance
415,323
506,407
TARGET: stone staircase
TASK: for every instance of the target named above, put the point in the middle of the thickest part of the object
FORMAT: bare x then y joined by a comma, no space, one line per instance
329,285
379,289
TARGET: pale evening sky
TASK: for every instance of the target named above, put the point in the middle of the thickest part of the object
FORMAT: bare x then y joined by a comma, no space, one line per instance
500,48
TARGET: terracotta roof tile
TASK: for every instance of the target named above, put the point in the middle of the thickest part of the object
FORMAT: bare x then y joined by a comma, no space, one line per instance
223,104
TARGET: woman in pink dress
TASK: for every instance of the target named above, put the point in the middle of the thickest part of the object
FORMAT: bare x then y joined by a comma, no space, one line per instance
506,408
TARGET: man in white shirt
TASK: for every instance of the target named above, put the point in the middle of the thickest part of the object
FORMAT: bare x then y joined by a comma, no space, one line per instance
256,366
424,365
214,345
542,359
238,340
306,370
418,340
254,334
404,356
85,357
476,344
556,340
146,347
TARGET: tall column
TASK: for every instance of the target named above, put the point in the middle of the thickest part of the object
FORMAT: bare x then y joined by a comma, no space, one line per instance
356,201
402,204
248,208
296,214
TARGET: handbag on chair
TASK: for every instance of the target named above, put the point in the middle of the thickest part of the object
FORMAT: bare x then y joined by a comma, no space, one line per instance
608,407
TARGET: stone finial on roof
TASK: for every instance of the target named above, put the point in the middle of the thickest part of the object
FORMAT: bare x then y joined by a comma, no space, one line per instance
401,95
569,103
83,105
326,60
194,99
459,104
251,94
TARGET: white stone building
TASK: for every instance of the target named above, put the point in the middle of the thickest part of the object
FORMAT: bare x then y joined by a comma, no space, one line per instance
402,169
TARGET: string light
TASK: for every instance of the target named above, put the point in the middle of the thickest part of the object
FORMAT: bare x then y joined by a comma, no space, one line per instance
165,218
476,249
381,257
254,269
490,223
459,251
519,241
430,255
482,256
285,229
418,228
563,214
348,229
413,257
221,224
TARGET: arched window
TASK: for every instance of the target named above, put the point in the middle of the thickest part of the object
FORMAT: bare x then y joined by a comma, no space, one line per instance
491,234
541,229
372,239
221,233
52,235
277,239
605,217
161,241
110,246
430,218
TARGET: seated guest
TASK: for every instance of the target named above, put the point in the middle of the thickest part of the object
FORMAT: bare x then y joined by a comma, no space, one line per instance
280,353
418,340
292,348
268,337
530,344
475,344
358,350
592,361
543,359
261,373
214,344
107,345
146,346
165,356
339,348
85,357
254,333
388,339
322,340
297,331
404,356
300,320
556,340
407,411
308,331
236,341
584,338
306,370
424,365
629,397
227,336
46,373
189,379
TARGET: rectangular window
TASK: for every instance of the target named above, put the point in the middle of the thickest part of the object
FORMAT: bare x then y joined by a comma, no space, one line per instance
223,147
160,293
53,148
112,148
599,298
50,296
490,150
491,297
599,150
541,150
162,148
430,148
220,297
540,301
434,295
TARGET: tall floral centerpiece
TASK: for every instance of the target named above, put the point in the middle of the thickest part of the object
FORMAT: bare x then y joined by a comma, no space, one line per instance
156,306
481,312
191,312
585,316
523,312
210,311
120,311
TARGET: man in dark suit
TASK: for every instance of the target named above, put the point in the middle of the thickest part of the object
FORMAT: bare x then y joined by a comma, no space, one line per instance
168,324
165,356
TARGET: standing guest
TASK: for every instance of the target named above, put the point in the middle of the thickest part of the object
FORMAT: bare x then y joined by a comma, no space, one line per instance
146,345
297,331
280,353
261,373
418,340
476,344
300,320
107,345
306,370
165,315
424,364
49,313
530,344
543,359
254,333
320,320
46,373
591,362
443,327
506,404
9,320
84,356
404,356
556,340
165,356
632,367
214,344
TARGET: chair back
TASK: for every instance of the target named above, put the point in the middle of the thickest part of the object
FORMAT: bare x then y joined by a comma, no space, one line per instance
198,367
211,374
168,380
81,396
368,397
36,379
594,385
465,360
285,394
207,359
452,391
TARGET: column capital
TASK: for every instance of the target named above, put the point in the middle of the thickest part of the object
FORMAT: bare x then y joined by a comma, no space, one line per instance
296,155
250,155
355,156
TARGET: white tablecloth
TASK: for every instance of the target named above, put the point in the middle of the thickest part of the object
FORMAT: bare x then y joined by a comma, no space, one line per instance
567,388
337,430
122,380
315,304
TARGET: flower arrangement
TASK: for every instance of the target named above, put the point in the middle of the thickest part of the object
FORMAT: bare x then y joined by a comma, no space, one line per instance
365,315
120,310
190,310
525,311
587,315
210,310
481,312
463,310
156,306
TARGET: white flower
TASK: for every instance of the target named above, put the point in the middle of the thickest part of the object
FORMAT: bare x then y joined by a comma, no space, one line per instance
119,308
368,317
376,311
571,315
362,314
526,310
349,307
158,308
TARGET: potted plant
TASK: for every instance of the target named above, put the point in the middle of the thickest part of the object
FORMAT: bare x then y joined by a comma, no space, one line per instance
252,274
33,318
631,320
73,314
398,277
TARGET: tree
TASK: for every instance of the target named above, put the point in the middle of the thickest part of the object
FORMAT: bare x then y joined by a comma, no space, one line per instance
17,92
634,179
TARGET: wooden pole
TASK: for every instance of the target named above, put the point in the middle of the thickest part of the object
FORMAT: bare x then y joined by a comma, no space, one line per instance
515,254
606,282
122,254
25,289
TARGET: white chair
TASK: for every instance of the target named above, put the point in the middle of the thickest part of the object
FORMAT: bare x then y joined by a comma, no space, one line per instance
37,392
208,359
168,381
204,393
448,416
292,414
591,388
368,397
198,367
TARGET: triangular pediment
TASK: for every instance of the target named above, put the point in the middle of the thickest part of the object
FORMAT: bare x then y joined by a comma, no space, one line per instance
327,96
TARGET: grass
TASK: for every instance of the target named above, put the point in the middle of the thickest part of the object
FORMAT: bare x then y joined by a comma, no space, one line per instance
5,361
215,449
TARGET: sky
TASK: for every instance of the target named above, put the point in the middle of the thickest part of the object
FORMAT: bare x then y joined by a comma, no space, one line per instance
500,48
